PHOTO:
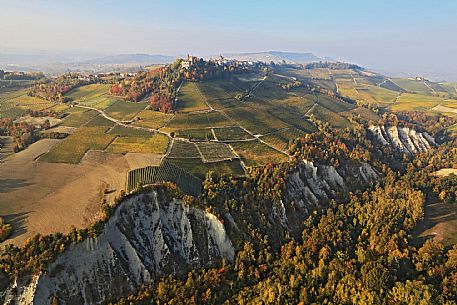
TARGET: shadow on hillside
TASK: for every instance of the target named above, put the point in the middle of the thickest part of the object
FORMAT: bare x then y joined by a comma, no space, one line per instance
17,221
8,185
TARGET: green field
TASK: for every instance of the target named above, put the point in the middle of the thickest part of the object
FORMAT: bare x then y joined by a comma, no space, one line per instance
204,134
412,85
255,153
155,144
100,121
125,111
129,132
367,94
282,138
214,152
224,89
59,108
450,88
184,149
332,118
199,169
190,99
75,146
197,121
14,103
152,119
361,112
88,92
257,122
416,102
93,95
231,133
79,117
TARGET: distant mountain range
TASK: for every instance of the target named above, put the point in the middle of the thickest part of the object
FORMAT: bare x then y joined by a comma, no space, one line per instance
131,59
277,56
71,59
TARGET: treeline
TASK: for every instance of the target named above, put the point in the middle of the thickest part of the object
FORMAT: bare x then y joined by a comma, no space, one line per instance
5,229
332,65
55,89
23,133
16,75
207,70
159,84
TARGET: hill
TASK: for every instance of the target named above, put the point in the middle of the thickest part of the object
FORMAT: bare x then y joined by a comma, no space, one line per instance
275,56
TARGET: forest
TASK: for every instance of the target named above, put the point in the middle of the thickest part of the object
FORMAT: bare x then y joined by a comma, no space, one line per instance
355,249
355,252
332,65
23,133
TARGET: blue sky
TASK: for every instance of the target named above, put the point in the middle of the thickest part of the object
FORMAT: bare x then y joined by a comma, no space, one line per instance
401,34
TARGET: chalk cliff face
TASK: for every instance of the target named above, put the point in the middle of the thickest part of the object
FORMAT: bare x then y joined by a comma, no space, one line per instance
403,139
149,235
312,185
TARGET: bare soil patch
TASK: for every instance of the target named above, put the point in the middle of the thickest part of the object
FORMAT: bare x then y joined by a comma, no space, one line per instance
444,172
40,197
440,223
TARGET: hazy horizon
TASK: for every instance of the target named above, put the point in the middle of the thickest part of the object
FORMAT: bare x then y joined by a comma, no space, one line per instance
409,37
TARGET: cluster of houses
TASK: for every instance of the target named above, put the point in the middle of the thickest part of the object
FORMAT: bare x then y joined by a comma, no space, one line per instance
92,77
419,79
219,61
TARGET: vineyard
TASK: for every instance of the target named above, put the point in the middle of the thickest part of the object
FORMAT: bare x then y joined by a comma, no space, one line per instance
166,171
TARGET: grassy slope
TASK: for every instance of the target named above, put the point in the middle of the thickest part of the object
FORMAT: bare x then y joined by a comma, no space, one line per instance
190,98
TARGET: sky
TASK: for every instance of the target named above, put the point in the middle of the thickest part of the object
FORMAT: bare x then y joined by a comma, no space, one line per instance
401,35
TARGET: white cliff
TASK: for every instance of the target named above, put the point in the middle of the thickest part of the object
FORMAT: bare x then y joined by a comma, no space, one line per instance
311,185
404,139
149,235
